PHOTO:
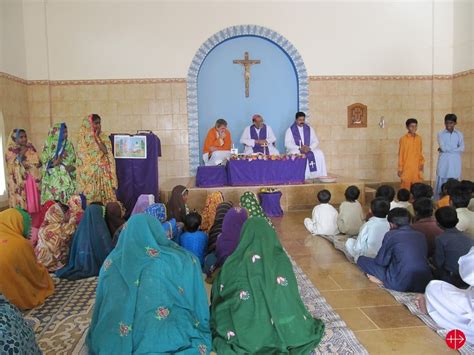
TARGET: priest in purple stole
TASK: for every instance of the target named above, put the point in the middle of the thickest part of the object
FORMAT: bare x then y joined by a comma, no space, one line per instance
300,138
259,138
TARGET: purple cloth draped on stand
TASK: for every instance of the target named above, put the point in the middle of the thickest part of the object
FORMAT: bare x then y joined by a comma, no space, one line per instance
266,172
270,202
261,135
307,141
211,176
138,176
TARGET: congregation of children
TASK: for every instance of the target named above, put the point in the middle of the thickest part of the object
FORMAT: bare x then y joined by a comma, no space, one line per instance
65,220
417,242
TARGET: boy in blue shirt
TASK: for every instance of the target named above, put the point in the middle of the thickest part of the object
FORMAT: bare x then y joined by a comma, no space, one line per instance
193,239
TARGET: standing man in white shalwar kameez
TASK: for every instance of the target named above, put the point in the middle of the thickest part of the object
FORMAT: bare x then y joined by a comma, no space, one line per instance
300,138
259,138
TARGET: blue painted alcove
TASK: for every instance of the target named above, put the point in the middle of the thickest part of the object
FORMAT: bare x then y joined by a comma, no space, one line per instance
221,88
262,43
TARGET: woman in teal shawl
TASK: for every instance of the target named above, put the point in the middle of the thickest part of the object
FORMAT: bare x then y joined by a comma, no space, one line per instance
150,297
256,306
59,160
91,244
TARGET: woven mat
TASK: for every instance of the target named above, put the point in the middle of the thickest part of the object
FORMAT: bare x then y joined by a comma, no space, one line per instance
61,323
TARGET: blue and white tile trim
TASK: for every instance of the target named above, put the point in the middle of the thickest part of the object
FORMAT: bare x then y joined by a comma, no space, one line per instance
203,51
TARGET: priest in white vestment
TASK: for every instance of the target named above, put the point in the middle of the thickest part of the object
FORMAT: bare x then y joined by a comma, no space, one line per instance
259,138
300,138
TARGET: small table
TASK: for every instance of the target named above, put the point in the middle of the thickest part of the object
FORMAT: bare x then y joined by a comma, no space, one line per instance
211,176
270,202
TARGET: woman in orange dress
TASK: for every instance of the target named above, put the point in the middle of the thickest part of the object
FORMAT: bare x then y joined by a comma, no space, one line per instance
23,281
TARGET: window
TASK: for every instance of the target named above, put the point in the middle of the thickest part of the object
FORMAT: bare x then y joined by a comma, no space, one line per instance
3,182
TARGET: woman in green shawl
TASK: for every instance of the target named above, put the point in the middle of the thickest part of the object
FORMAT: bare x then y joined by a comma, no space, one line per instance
256,306
150,297
59,159
250,202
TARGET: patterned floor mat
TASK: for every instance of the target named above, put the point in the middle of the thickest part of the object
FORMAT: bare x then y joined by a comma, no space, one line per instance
62,322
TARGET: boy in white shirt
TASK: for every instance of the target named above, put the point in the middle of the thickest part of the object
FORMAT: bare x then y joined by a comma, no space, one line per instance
403,197
324,217
351,216
371,234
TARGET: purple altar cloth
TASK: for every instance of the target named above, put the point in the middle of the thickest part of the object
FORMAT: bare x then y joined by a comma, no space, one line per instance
270,202
211,176
266,172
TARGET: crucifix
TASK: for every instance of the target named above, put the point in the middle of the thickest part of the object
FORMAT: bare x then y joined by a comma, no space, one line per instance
246,62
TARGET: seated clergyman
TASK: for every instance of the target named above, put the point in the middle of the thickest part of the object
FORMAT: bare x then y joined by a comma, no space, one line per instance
259,138
217,144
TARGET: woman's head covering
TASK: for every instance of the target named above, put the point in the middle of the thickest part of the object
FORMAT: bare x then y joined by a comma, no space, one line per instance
466,267
12,144
250,202
42,213
55,143
26,222
12,222
75,208
247,312
90,246
159,304
216,228
143,202
230,236
210,207
114,216
176,207
157,210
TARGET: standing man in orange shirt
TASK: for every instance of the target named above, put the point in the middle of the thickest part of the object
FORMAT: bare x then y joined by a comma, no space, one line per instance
410,156
217,144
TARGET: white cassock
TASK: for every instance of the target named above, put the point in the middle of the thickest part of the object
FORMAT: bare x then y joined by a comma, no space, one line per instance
293,148
451,307
249,143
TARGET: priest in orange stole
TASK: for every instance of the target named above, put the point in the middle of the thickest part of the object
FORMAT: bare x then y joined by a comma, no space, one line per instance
217,144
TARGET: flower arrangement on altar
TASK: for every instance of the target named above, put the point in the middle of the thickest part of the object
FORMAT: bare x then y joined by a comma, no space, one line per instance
268,190
267,157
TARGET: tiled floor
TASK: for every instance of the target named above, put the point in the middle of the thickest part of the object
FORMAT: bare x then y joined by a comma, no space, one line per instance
380,323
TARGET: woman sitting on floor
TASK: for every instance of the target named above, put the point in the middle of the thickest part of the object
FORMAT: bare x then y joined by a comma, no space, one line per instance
143,202
210,208
23,281
90,246
256,306
216,228
250,202
229,238
176,206
16,335
54,237
150,296
158,210
114,217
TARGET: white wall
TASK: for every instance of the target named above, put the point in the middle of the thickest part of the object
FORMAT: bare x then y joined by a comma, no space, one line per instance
112,39
12,49
463,35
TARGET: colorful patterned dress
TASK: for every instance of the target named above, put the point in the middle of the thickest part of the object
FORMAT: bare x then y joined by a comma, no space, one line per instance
96,177
18,169
58,184
209,213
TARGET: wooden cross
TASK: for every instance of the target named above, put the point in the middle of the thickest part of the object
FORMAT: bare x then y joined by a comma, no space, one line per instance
246,62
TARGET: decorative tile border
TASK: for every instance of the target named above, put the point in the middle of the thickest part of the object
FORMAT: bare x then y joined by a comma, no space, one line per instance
380,77
207,47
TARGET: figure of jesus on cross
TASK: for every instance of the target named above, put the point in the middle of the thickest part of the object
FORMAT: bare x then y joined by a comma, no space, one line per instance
246,62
